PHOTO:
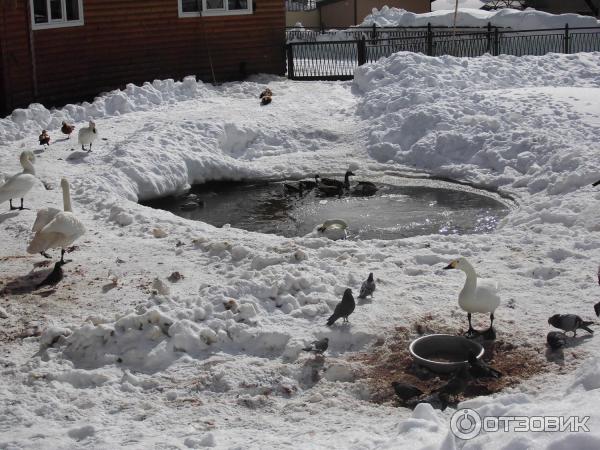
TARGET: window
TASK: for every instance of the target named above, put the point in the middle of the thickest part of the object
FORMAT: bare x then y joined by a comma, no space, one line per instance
56,13
195,8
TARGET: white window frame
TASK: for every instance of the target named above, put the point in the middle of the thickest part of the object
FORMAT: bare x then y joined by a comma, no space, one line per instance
214,12
60,23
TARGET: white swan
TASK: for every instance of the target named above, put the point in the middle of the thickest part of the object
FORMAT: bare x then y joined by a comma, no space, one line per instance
21,183
87,135
479,295
55,228
333,229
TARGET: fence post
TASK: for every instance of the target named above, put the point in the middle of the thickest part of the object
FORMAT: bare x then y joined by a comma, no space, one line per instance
361,51
567,48
290,60
496,42
429,40
374,34
489,37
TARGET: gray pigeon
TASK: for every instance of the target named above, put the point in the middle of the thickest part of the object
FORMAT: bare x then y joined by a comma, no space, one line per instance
556,340
343,308
318,346
570,322
406,391
368,287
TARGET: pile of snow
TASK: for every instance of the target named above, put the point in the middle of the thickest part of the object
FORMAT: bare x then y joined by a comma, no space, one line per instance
508,18
21,122
462,4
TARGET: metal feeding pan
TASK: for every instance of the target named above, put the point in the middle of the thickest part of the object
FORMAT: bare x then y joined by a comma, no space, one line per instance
443,353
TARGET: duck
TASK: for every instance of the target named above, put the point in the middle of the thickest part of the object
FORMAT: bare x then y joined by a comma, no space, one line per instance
330,191
478,295
21,183
87,135
56,229
309,184
332,182
67,129
44,138
291,189
365,188
334,229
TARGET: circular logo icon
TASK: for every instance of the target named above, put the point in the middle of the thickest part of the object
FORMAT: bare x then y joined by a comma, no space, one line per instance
465,424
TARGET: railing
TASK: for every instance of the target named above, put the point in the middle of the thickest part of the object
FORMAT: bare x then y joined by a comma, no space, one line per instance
301,5
335,55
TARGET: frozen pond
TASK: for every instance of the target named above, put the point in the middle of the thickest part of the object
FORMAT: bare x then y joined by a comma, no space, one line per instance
394,211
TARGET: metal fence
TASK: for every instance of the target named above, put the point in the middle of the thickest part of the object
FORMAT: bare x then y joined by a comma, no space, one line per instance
335,55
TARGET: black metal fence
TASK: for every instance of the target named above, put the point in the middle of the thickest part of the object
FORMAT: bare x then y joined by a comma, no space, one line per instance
318,58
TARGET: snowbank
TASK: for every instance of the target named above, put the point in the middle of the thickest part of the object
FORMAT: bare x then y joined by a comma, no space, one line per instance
462,4
510,18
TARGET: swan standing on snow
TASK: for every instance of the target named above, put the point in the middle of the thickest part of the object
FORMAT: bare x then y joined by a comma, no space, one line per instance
87,135
56,229
479,295
21,183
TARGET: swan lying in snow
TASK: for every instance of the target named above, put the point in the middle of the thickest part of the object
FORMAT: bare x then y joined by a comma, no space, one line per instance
21,183
87,135
55,228
479,295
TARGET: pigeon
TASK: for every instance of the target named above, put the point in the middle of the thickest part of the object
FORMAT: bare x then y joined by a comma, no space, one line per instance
406,391
556,340
318,346
597,309
368,287
67,129
479,369
54,277
44,138
343,308
456,384
570,322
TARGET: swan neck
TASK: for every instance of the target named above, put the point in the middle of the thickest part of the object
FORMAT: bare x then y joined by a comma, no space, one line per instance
471,281
67,198
27,165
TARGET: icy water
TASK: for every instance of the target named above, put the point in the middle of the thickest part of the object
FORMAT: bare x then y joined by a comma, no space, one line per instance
391,213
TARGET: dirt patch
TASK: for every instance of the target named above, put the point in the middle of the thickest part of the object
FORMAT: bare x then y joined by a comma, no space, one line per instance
391,361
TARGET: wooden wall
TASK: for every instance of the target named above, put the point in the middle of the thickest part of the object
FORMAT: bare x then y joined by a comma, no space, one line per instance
15,58
126,41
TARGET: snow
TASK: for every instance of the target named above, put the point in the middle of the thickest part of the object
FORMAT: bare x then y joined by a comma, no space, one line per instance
462,4
528,19
123,355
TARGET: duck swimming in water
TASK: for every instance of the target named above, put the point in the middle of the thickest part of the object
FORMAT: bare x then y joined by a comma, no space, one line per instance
332,182
364,188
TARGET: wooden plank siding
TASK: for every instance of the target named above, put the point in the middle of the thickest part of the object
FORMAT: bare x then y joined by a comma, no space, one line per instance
134,41
17,79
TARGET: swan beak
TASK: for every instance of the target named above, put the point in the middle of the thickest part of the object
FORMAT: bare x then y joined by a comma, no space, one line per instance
452,265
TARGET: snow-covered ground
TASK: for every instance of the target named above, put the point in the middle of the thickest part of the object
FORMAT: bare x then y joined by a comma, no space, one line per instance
127,362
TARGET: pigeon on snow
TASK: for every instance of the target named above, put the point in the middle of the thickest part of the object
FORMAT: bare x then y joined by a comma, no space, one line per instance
368,287
343,308
570,322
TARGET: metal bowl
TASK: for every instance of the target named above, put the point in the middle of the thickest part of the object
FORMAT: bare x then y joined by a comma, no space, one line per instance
443,353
